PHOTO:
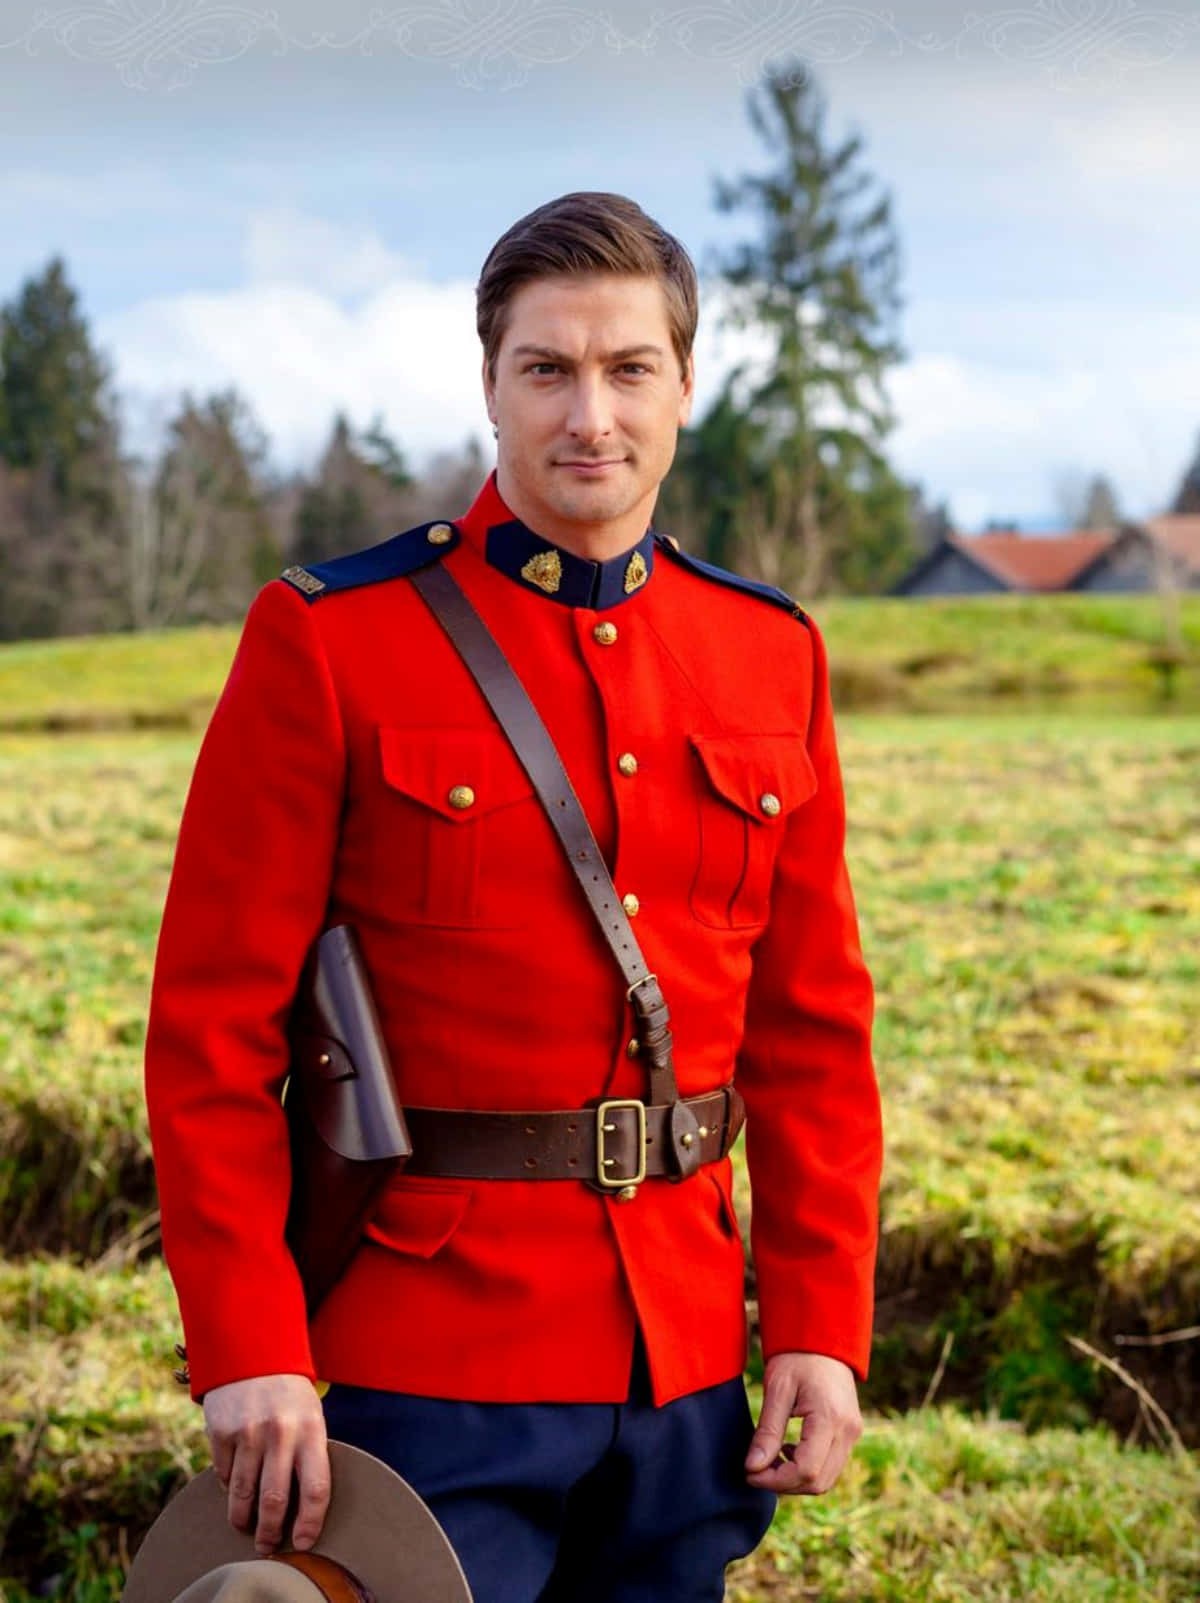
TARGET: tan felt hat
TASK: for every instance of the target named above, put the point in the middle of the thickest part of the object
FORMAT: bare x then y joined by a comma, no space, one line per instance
377,1528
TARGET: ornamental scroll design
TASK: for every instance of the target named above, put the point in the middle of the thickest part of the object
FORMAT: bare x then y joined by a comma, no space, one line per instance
160,45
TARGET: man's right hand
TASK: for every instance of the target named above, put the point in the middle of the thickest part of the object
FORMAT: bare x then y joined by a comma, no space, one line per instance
260,1430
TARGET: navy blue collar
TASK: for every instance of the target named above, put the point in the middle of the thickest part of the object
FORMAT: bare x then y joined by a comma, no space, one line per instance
535,564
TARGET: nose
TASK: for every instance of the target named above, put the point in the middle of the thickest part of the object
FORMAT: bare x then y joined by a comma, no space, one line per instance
589,416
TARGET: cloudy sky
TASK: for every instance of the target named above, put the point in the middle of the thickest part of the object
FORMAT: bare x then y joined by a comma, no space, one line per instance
297,200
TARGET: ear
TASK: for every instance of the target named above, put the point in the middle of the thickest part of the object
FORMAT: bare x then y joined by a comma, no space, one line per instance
489,391
688,393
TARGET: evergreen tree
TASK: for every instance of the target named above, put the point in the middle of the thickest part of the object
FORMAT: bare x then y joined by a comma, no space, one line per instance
55,408
357,498
819,280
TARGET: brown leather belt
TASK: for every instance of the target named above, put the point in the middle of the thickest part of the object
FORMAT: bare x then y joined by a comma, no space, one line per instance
614,1144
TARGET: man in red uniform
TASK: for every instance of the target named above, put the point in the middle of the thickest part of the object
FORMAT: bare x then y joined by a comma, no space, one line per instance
548,1362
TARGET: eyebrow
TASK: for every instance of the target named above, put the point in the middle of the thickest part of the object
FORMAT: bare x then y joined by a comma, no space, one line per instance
549,354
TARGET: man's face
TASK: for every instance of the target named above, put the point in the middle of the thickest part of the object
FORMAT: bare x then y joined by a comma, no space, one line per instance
588,399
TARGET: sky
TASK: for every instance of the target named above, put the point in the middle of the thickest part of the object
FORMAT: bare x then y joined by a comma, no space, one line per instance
296,199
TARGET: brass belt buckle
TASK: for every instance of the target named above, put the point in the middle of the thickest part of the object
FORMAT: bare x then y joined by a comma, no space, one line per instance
605,1127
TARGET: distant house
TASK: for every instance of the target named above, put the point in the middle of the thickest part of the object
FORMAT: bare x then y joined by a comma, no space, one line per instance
1004,561
1143,554
1134,557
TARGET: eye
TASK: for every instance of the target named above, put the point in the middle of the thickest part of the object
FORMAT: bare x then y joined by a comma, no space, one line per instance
539,367
634,367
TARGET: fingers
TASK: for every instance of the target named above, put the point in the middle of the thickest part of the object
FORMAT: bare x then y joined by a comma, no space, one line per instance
243,1481
801,1466
274,1486
767,1440
312,1471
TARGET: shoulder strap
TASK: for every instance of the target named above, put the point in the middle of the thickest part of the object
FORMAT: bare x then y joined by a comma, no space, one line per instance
538,755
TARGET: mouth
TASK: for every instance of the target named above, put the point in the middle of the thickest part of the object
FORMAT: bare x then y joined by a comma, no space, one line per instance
591,469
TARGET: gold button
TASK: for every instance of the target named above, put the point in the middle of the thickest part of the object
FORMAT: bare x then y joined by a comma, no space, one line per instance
687,1139
626,1193
771,805
605,634
628,764
462,797
632,1050
631,905
440,534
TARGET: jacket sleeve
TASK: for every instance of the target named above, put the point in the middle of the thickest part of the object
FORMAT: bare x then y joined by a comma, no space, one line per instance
247,897
813,1130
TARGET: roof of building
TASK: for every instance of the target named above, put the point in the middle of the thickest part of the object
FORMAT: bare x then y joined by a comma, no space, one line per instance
1034,562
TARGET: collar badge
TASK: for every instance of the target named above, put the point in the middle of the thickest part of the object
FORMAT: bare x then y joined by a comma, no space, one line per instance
636,573
544,570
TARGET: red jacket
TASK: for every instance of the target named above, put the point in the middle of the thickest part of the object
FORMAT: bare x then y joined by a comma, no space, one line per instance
320,796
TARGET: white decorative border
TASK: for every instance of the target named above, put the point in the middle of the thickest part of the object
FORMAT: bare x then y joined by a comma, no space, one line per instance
158,45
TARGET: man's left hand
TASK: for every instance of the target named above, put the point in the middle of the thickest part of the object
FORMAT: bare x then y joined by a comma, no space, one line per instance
822,1391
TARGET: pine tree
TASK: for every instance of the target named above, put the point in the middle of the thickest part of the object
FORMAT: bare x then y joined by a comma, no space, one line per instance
819,281
55,411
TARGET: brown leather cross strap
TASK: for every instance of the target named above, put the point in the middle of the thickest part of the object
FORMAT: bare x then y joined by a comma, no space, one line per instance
538,755
616,1143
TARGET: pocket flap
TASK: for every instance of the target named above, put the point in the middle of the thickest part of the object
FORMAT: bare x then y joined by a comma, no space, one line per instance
475,767
416,1218
756,771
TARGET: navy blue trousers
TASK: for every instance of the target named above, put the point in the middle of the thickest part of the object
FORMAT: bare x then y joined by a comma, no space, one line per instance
575,1502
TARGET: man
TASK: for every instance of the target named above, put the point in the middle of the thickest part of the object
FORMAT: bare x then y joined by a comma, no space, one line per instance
553,1363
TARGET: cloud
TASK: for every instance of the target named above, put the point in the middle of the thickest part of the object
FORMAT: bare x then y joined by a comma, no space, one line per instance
997,400
993,438
284,246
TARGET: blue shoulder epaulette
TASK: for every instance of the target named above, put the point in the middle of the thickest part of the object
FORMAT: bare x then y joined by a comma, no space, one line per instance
709,570
392,559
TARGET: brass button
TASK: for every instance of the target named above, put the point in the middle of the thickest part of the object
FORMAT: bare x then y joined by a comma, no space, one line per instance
440,534
687,1139
605,634
631,905
626,1193
632,1050
771,805
462,797
628,764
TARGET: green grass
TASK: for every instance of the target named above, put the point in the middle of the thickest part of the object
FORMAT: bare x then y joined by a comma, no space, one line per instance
938,1506
931,1506
1029,890
923,655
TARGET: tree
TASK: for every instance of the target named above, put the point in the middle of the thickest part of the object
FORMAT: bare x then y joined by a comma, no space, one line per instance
357,497
55,407
819,281
198,542
1086,501
1187,497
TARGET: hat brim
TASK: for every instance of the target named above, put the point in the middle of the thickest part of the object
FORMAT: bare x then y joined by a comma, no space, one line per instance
377,1526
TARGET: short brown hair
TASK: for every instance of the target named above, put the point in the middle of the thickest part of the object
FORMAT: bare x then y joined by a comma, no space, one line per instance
587,231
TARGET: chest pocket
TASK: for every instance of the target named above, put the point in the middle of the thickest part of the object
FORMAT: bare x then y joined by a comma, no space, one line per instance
750,786
459,824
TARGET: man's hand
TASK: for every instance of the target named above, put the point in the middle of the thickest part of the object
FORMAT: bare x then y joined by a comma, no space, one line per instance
822,1390
259,1431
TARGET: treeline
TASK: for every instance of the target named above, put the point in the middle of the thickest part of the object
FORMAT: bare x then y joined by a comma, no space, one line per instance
786,477
93,540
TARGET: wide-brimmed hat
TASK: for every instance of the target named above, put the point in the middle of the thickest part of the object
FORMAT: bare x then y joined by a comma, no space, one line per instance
377,1528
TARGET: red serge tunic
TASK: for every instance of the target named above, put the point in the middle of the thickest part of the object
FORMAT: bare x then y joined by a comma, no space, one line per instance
321,796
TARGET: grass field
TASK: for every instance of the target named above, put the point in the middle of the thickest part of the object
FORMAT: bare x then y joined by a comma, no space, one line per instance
1029,886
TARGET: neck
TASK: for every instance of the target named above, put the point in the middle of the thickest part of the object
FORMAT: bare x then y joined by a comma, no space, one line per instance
594,542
